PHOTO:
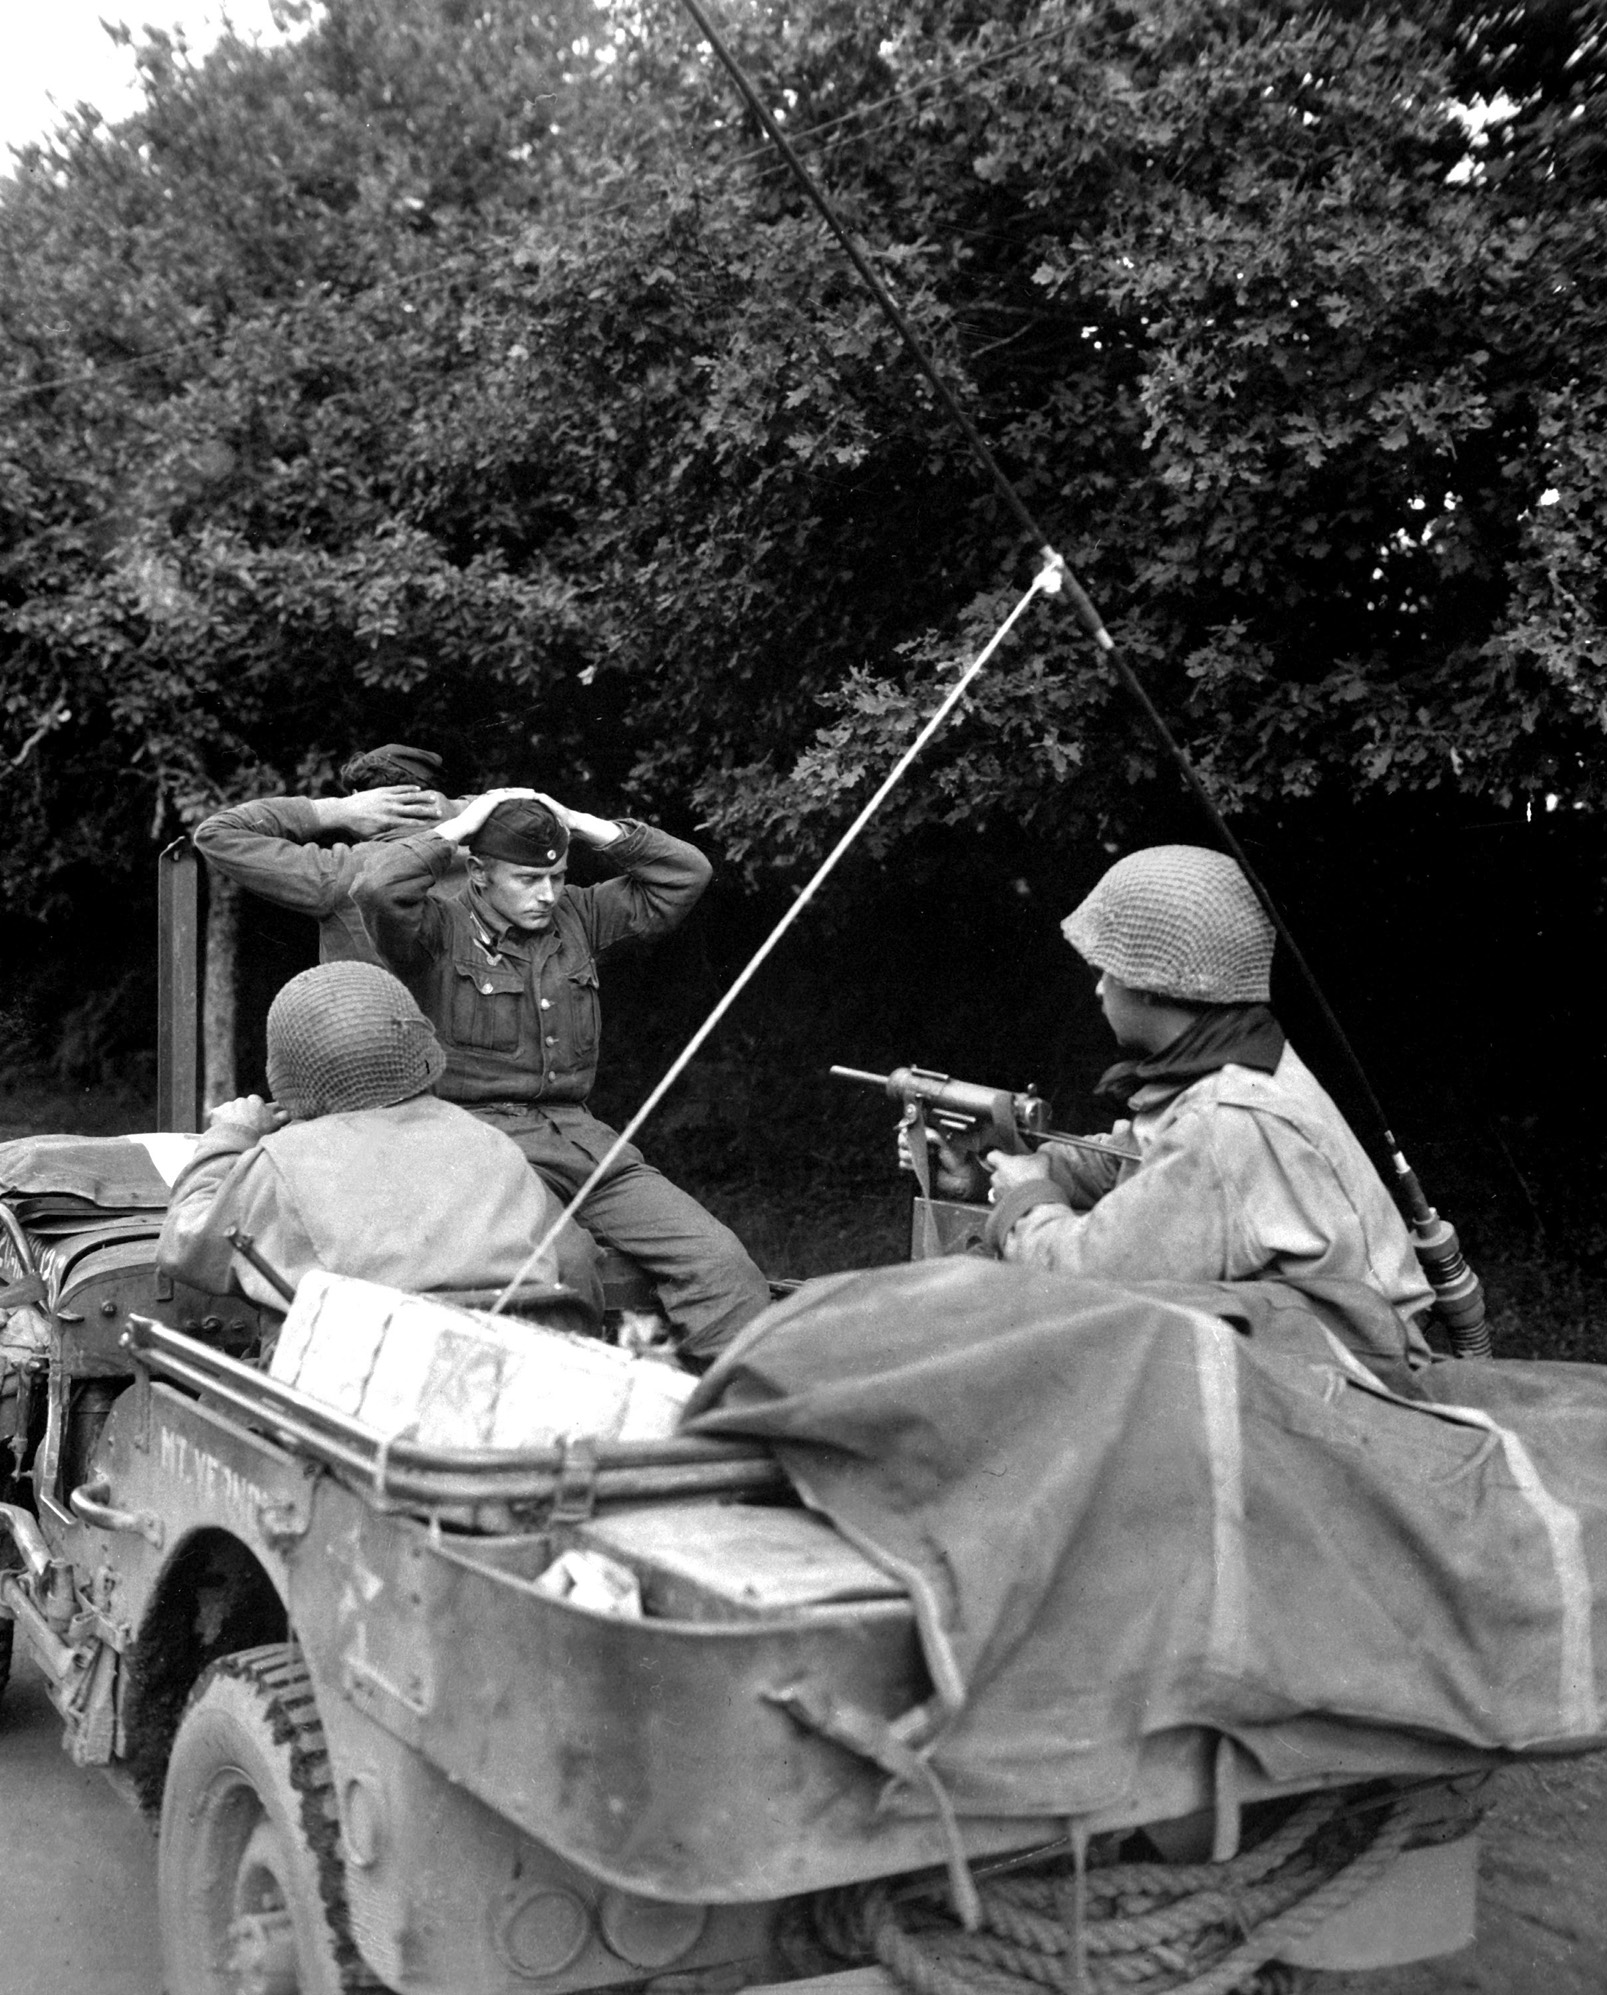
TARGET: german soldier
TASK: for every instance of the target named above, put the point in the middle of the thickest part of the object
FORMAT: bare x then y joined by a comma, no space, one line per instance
508,976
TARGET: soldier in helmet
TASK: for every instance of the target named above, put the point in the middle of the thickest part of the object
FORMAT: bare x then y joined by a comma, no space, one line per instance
508,976
1245,1167
356,1167
306,853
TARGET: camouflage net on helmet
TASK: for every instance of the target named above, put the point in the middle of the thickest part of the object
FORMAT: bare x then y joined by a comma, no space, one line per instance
348,1036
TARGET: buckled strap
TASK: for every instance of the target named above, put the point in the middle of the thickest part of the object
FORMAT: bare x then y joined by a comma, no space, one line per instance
574,1495
886,1745
921,1164
920,1149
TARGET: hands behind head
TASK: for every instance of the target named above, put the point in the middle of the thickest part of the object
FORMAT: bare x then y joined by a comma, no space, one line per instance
598,831
565,816
249,1112
456,830
396,807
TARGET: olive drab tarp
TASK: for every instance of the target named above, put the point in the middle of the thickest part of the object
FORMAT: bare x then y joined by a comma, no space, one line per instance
56,1184
1124,1511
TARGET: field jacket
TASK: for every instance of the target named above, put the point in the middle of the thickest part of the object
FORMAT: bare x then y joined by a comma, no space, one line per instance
420,1196
1240,1176
518,1013
271,847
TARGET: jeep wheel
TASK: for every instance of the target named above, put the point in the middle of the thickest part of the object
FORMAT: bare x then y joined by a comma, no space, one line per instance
249,1876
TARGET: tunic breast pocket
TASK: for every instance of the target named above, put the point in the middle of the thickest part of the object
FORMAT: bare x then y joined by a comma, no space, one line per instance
486,1001
584,1012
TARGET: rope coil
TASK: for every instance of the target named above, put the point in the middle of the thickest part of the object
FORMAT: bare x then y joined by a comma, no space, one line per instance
1139,1928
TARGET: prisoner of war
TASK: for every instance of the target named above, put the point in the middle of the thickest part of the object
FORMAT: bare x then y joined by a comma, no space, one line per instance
508,975
355,1167
1245,1168
306,853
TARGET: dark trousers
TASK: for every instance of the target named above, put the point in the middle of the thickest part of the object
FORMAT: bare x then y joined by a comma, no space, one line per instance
708,1285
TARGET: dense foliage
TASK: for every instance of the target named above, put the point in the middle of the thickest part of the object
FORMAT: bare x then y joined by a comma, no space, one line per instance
467,372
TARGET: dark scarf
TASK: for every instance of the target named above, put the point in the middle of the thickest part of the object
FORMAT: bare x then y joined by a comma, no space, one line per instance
1247,1035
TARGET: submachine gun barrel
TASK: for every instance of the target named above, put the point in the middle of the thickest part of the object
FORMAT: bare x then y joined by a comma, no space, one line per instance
975,1118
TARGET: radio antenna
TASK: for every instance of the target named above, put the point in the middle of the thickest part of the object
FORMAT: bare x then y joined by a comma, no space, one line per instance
1459,1294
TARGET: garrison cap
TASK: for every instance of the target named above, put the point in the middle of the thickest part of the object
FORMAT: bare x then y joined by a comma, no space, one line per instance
1180,921
392,762
523,832
347,1036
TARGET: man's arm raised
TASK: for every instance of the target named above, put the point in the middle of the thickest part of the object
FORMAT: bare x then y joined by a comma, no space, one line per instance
270,846
661,878
393,891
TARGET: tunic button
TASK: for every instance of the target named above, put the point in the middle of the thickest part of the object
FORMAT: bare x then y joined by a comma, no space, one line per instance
546,1004
486,988
552,1039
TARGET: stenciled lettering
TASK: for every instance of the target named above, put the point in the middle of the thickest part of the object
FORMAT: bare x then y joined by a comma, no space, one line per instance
213,1480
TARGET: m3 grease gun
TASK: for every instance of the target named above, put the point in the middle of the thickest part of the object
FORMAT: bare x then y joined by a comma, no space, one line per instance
974,1119
971,1118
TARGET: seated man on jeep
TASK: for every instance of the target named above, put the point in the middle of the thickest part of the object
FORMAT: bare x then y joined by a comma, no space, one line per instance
1244,1168
356,1168
508,976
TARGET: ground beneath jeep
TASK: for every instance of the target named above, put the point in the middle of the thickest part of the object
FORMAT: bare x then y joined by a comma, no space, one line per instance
1542,1895
77,1865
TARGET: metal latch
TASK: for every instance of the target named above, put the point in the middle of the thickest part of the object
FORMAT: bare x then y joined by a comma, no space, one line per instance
574,1495
286,1522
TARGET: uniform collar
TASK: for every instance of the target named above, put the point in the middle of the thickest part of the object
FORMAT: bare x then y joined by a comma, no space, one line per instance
1241,1035
494,935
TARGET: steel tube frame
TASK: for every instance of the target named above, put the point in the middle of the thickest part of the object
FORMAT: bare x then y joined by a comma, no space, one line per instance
409,1471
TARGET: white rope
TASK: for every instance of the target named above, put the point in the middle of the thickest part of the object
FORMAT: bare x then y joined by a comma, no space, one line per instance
1045,582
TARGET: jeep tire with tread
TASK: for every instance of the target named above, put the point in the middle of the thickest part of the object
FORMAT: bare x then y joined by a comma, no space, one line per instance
249,1876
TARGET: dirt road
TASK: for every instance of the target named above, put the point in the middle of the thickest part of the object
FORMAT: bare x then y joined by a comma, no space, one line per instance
77,1865
1542,1895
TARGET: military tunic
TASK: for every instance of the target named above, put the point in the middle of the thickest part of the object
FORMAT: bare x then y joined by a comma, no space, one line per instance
518,1015
272,847
1240,1176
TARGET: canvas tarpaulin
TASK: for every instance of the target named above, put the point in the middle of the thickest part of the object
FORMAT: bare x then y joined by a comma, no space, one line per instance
1124,1511
56,1184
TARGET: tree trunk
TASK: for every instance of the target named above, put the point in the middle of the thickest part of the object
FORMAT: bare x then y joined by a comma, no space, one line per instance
218,997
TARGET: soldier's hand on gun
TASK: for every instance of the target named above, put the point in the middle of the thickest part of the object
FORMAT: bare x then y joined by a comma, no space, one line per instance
954,1175
249,1112
1007,1172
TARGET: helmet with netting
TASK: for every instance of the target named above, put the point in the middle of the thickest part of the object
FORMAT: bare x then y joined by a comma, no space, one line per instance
347,1036
1180,921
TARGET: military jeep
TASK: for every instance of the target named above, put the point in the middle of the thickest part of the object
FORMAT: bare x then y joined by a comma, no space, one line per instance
380,1752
